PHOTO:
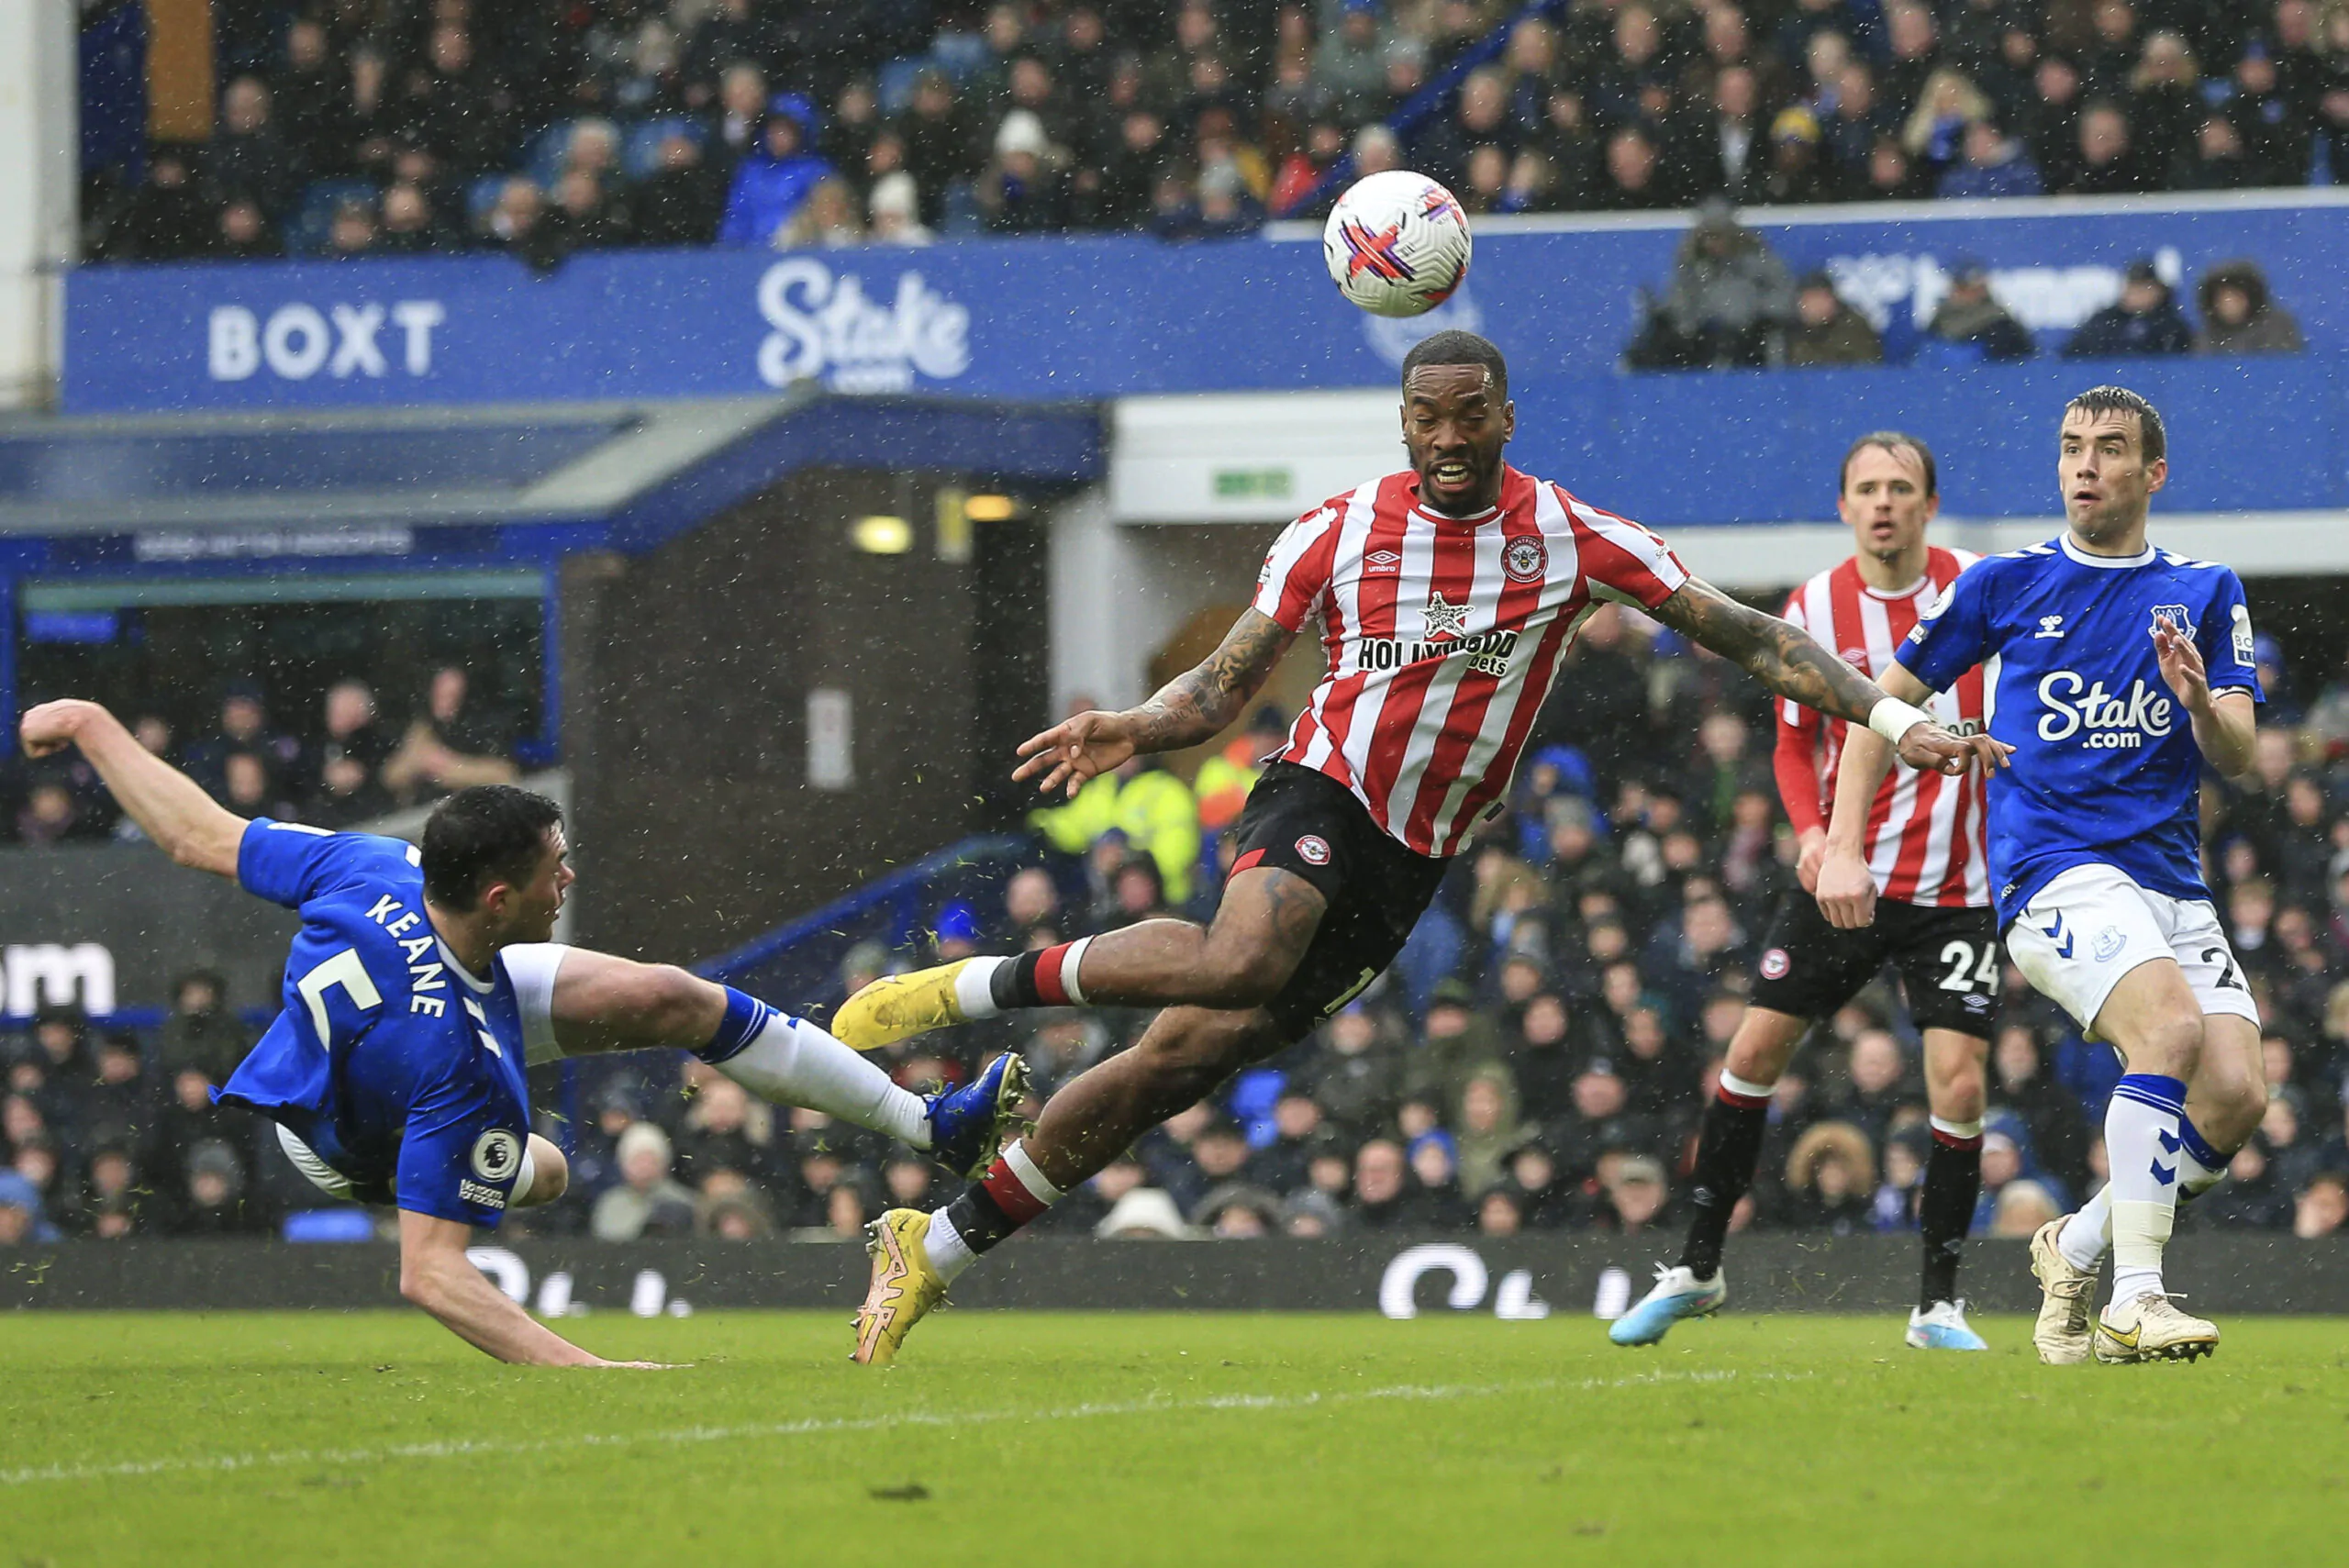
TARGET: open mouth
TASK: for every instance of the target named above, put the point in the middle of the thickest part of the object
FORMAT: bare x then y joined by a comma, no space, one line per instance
1452,475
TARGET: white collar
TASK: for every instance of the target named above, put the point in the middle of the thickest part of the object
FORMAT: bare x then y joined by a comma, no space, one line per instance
2106,562
1893,596
479,986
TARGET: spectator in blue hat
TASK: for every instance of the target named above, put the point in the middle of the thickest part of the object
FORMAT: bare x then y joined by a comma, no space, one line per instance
21,1219
775,181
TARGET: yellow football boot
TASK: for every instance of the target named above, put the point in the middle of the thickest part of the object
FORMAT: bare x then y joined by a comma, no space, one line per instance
899,1007
2153,1328
905,1286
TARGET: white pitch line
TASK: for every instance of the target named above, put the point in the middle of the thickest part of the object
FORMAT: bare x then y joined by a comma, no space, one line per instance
464,1448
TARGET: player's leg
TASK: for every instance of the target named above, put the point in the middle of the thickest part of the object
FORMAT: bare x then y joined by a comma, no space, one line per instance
1954,1087
2093,941
1301,839
1808,968
545,1175
576,1002
1949,960
1239,961
1184,1055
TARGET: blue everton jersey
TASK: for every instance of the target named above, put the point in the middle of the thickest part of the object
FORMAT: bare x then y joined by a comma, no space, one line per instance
2105,770
399,1068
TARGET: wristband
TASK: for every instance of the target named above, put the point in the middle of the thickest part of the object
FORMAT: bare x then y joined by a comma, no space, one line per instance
1892,718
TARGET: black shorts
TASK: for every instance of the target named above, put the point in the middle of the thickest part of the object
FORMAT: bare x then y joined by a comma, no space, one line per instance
1948,958
1306,822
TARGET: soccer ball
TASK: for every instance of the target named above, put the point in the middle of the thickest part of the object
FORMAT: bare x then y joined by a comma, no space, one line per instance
1397,244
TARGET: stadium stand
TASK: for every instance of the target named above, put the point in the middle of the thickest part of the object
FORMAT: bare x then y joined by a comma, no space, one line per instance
396,128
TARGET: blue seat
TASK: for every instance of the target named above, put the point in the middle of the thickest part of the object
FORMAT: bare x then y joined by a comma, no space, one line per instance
893,88
305,231
329,1224
641,145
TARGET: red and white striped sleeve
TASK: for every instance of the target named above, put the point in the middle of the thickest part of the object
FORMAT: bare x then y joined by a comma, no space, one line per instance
1620,559
1794,758
1296,570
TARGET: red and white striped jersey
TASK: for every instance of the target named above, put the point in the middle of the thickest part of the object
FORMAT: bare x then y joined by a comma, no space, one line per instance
1924,838
1443,635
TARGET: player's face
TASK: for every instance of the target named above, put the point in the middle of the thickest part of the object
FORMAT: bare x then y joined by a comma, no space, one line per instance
2108,483
1885,502
529,907
1454,428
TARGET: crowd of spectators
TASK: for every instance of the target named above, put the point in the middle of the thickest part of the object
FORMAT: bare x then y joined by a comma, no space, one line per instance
350,767
1536,1061
400,126
1732,302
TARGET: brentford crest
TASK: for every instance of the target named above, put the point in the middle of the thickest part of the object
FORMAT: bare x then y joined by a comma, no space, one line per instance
1526,560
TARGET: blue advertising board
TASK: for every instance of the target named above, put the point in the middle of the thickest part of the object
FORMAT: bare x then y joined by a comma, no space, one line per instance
1079,317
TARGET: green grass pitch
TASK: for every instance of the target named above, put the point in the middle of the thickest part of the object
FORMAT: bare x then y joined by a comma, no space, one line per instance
1062,1441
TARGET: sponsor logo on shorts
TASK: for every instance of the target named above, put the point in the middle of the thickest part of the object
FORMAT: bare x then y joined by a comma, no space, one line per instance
471,1190
1774,964
1526,560
497,1154
2109,944
1313,850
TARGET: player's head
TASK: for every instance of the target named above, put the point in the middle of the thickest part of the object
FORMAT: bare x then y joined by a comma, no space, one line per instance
496,854
1456,419
1888,492
2112,455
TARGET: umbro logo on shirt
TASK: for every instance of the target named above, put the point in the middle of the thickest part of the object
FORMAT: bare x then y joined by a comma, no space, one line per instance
1384,560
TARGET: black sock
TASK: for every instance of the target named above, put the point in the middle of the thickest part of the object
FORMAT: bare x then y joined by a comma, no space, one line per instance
978,1219
1945,1212
1014,984
1726,1150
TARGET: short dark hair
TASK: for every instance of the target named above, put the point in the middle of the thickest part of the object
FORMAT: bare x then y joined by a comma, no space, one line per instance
1452,347
2153,440
1891,441
485,834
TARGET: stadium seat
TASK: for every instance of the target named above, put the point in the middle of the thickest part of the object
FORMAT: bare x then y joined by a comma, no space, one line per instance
641,145
329,1224
305,231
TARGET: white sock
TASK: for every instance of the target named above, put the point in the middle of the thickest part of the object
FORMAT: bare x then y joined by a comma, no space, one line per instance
2086,1234
794,1062
2141,1139
949,1253
974,987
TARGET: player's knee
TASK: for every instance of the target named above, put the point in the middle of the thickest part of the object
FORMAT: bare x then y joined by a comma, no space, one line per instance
2172,1044
1961,1097
1251,977
674,1000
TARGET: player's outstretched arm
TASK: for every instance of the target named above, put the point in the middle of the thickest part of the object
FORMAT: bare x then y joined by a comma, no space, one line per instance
1194,707
436,1276
1786,659
169,807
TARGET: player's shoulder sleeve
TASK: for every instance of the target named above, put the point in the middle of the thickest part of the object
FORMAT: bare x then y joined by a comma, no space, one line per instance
1953,633
1297,569
290,863
2230,648
1621,560
461,1156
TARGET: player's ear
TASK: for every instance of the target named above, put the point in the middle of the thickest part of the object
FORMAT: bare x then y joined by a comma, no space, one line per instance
2156,475
1508,420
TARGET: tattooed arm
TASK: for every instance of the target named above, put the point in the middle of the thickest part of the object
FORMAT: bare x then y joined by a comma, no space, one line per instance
1193,707
1784,658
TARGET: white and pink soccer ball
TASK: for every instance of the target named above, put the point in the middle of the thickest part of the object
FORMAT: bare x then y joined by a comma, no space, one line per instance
1396,243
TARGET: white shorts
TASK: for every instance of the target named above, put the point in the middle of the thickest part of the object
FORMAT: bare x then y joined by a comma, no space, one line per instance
2093,924
334,1183
531,967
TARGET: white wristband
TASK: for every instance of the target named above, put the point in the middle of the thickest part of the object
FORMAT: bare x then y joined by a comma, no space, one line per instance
1892,718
